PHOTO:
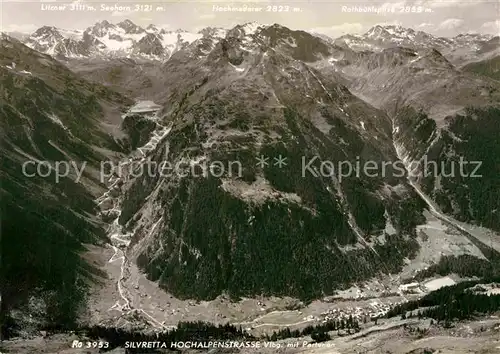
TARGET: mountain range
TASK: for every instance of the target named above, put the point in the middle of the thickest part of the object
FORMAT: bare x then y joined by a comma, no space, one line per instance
105,39
459,50
126,39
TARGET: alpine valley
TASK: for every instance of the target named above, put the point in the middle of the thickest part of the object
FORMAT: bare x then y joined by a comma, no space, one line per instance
254,234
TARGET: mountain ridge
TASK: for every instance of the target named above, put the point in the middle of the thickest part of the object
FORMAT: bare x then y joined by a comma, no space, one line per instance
121,39
240,94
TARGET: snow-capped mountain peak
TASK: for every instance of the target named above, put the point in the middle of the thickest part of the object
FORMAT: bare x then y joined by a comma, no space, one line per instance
251,27
390,32
55,41
152,29
375,32
216,32
46,32
100,28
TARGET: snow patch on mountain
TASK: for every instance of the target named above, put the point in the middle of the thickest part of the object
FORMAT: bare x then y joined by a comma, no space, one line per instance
56,120
105,39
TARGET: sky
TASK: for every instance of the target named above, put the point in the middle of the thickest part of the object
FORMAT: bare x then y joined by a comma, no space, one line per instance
330,17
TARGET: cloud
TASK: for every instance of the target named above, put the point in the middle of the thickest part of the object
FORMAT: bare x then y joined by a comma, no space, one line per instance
339,30
492,27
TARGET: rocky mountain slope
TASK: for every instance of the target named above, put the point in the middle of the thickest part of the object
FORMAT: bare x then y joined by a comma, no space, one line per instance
248,97
53,139
214,108
440,115
133,77
489,67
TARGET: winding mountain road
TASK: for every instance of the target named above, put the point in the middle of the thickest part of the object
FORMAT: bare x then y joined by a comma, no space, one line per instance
120,240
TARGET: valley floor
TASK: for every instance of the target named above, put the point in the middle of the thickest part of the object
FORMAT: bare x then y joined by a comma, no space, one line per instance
160,310
389,336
